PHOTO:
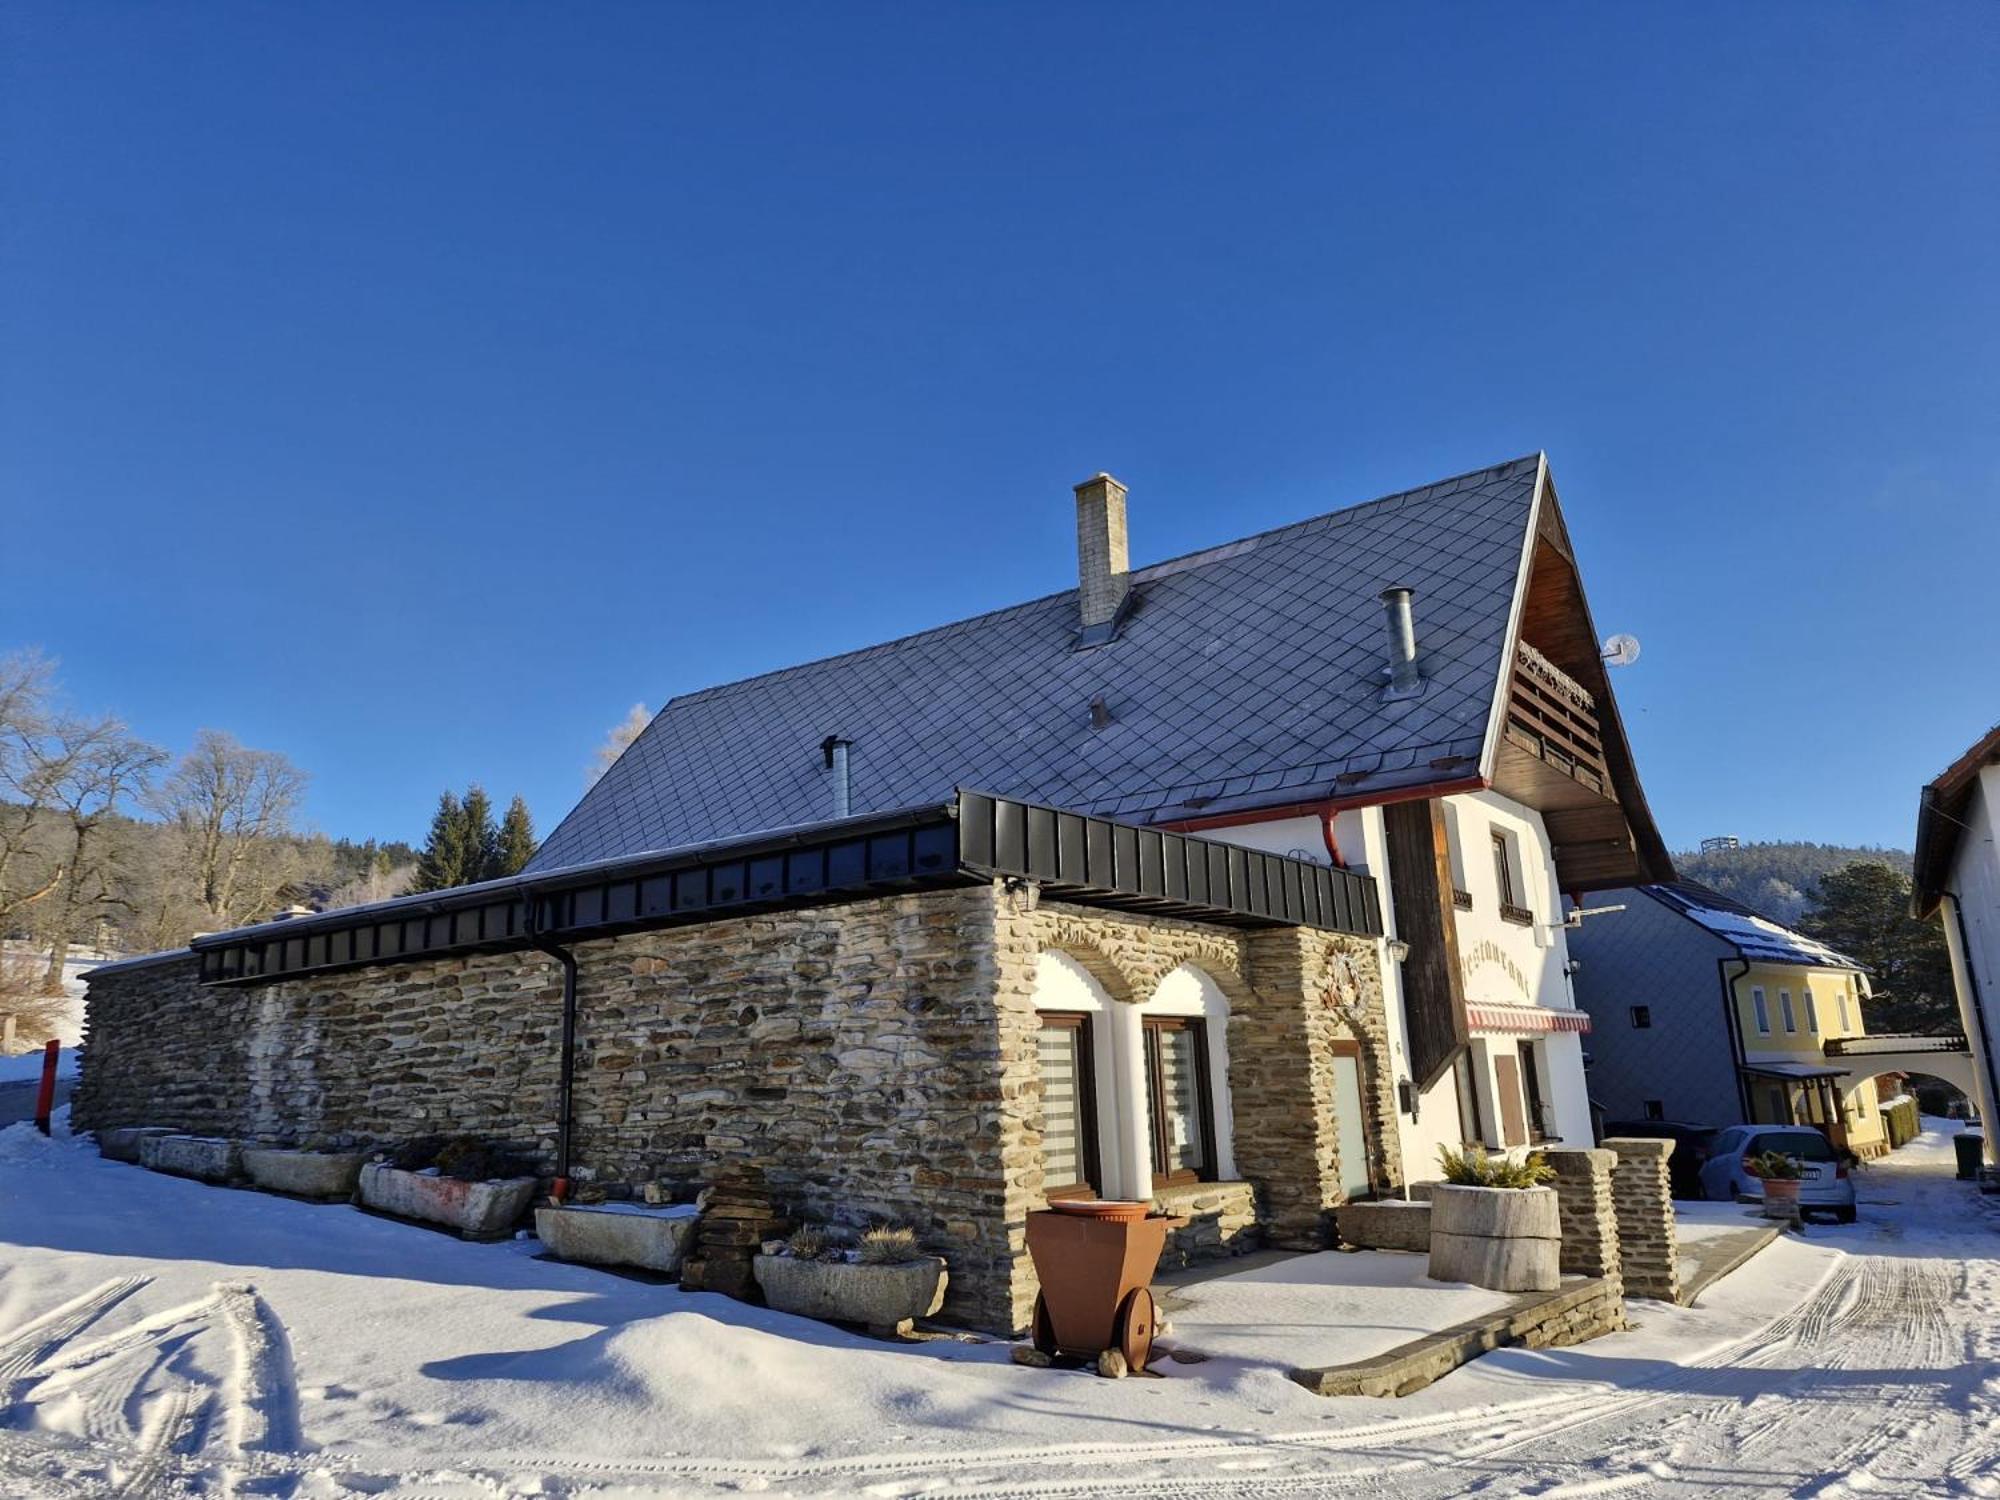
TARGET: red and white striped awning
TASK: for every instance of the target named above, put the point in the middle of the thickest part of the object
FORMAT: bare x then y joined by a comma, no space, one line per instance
1523,1020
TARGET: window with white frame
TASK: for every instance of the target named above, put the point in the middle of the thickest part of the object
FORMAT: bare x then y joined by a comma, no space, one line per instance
1763,1011
1845,1024
1812,1013
1785,1010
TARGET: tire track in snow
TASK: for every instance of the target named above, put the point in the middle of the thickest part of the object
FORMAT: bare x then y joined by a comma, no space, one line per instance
32,1343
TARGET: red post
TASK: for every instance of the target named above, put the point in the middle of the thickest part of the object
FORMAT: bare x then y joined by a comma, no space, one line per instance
45,1102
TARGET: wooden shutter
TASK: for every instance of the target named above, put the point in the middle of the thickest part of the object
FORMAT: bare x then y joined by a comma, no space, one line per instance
1507,1083
1427,919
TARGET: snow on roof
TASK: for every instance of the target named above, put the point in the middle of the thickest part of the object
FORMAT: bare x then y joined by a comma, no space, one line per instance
1754,937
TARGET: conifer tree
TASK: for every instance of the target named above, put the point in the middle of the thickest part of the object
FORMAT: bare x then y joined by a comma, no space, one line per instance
442,863
517,839
482,835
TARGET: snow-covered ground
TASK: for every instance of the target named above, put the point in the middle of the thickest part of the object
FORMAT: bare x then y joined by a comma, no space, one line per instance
160,1338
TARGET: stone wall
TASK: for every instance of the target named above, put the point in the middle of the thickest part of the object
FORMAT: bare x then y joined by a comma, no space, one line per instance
875,1059
1292,992
1221,1221
1542,1320
1589,1212
1648,1249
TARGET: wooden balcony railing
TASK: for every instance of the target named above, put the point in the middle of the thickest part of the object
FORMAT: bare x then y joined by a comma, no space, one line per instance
1551,715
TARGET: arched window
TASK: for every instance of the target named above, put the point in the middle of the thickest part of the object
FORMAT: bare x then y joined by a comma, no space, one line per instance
1184,1026
1073,1051
1133,1095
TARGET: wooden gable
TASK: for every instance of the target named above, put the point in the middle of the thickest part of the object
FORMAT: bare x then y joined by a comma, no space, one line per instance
1560,746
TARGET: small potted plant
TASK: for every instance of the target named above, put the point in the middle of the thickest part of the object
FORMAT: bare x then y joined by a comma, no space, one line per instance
1780,1175
1494,1223
883,1281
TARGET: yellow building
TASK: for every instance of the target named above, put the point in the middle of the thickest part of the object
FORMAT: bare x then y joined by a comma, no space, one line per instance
1786,1014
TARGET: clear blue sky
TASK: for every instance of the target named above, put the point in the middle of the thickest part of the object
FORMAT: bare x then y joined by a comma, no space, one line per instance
413,388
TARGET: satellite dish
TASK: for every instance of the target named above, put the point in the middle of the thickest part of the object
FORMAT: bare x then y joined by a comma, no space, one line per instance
1621,650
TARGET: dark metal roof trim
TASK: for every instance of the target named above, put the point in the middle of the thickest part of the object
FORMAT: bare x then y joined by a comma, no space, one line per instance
1091,861
1095,861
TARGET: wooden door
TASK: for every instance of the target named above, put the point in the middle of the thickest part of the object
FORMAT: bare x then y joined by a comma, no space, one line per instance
1507,1084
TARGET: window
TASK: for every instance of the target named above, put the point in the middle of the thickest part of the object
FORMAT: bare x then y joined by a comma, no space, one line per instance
1785,1009
1845,1024
1656,1109
1531,1086
1461,897
1069,1113
1177,1077
1511,907
1642,1018
1763,1010
1812,1013
1470,1129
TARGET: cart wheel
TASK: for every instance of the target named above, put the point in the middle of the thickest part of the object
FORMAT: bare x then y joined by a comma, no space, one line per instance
1042,1330
1133,1331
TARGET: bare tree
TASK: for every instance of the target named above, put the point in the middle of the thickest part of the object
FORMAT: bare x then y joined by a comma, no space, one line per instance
628,729
228,802
35,1017
30,764
103,768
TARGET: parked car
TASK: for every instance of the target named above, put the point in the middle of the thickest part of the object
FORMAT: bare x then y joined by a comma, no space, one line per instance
1692,1144
1824,1183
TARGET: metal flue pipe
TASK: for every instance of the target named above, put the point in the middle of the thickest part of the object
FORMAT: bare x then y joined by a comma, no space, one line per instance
835,749
1402,631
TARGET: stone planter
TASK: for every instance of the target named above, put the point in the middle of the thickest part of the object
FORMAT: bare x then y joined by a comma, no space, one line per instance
1387,1225
123,1142
477,1210
1506,1239
885,1298
619,1234
326,1175
204,1158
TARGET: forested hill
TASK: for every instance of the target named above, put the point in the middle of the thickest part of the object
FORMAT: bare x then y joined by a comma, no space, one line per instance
1779,879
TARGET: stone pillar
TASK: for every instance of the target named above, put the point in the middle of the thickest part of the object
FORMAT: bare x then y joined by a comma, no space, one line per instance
1648,1252
1283,1095
1589,1217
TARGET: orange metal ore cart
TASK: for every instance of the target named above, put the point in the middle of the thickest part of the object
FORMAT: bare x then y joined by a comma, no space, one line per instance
1096,1262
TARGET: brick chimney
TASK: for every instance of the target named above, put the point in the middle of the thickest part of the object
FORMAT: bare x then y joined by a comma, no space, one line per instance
1103,569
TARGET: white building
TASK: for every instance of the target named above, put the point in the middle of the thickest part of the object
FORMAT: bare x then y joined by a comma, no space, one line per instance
1957,880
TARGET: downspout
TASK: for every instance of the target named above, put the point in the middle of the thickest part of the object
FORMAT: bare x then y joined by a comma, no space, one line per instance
566,1084
1978,1016
1735,1023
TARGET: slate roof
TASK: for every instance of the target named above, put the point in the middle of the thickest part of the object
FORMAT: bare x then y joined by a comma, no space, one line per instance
1755,937
1246,675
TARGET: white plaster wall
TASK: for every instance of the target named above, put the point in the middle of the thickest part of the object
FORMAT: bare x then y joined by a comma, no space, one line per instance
1504,963
1975,882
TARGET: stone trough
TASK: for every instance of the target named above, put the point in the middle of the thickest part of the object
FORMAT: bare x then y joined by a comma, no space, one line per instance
122,1142
619,1234
1389,1224
204,1158
1508,1239
477,1210
326,1175
883,1298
